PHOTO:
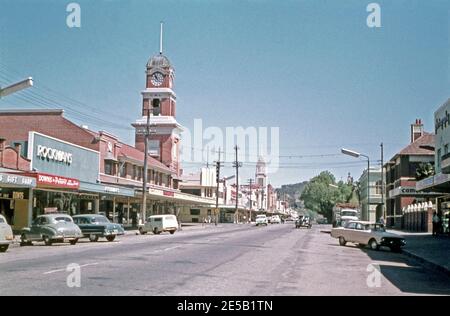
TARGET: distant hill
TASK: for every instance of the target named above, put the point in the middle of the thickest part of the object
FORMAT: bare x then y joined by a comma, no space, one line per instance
292,192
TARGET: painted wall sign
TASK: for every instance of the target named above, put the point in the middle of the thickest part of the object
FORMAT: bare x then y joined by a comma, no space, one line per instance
57,181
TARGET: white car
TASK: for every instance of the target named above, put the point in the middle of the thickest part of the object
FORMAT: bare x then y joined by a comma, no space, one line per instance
6,234
366,233
275,219
262,220
160,223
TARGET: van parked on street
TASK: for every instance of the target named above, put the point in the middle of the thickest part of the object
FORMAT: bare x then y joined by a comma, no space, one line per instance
160,223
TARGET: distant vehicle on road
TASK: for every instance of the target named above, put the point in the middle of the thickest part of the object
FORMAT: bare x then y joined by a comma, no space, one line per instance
322,221
262,220
54,228
160,223
366,233
6,234
303,221
275,219
344,213
95,226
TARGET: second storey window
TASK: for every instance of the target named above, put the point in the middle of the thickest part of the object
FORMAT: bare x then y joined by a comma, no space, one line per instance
153,147
123,170
134,172
109,168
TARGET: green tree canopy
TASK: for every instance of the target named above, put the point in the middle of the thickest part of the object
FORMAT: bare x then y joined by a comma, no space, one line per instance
323,192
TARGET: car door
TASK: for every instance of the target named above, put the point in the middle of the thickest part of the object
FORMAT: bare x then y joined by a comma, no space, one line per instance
35,229
350,232
4,229
360,234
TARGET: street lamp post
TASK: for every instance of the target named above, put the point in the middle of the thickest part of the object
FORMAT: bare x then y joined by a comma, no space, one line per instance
15,87
355,154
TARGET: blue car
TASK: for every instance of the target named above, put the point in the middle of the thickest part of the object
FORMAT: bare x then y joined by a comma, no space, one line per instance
95,226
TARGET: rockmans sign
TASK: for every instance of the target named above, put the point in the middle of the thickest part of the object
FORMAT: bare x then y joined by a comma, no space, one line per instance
52,154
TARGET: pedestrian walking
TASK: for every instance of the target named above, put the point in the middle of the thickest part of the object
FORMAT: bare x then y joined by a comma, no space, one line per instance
381,220
435,221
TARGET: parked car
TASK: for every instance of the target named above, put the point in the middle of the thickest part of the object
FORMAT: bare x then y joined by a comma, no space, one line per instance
6,234
54,228
95,226
367,233
303,221
275,219
262,220
322,221
160,223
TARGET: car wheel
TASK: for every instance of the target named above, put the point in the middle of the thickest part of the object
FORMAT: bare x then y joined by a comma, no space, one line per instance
4,248
74,242
141,231
342,241
155,231
47,241
172,232
24,241
93,238
110,238
374,245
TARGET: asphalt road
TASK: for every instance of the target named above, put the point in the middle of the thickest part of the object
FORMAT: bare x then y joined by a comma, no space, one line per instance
220,261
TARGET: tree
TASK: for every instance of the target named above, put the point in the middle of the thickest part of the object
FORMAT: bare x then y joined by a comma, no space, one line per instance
424,170
322,193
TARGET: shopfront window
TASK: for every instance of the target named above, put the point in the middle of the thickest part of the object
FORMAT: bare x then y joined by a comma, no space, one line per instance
63,202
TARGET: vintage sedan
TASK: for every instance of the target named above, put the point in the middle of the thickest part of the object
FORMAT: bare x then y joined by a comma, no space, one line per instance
6,234
95,226
52,228
367,233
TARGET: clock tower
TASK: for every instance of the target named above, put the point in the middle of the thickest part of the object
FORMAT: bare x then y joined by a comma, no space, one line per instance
159,101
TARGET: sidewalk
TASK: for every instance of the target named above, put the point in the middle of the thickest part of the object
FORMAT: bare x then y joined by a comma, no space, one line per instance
431,251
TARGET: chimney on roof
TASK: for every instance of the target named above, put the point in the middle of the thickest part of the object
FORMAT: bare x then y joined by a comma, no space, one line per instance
416,130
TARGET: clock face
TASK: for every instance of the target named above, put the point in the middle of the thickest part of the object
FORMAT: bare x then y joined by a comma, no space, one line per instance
157,79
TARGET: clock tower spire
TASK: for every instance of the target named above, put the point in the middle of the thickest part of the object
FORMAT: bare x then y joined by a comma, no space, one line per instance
159,100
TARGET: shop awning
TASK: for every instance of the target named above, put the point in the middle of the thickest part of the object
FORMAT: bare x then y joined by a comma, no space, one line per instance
106,189
439,183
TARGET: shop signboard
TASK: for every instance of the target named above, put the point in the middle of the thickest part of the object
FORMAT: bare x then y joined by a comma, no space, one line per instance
106,189
57,181
66,160
406,191
17,181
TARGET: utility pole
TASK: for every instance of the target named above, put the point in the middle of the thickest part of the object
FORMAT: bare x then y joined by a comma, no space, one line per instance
383,209
144,178
250,181
237,165
218,165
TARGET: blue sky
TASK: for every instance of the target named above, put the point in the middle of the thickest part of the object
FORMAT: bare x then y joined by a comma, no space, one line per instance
312,68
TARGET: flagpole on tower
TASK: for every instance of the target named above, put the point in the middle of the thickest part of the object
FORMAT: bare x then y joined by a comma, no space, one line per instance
161,38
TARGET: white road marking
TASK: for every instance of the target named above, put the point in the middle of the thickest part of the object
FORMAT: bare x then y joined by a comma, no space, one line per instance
64,270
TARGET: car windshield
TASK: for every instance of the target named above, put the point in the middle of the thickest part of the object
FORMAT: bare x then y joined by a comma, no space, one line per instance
261,216
375,227
62,219
100,219
348,213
